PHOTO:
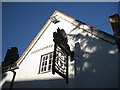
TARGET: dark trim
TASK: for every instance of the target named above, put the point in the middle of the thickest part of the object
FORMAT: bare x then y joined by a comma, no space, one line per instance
54,56
67,70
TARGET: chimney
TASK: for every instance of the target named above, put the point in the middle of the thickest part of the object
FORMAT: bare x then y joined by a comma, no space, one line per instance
115,23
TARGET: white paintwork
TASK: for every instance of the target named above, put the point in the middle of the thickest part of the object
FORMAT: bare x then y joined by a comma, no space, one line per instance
95,61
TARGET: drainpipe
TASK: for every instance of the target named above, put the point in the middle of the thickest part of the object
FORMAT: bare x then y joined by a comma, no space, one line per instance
115,23
11,68
14,74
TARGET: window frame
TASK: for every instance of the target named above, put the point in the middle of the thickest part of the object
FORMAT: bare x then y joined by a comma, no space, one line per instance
41,62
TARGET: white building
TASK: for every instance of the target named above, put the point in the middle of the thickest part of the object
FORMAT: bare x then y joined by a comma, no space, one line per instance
95,63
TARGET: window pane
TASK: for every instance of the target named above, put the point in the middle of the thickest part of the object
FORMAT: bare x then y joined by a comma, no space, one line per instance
49,68
43,64
49,61
44,68
46,57
43,58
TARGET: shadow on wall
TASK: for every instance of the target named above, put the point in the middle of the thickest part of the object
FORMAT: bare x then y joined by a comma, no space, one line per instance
96,66
52,83
96,63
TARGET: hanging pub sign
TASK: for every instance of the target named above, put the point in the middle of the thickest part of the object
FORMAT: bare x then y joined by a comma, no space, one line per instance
61,53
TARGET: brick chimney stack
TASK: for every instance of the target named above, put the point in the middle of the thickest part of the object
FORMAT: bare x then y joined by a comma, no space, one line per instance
115,23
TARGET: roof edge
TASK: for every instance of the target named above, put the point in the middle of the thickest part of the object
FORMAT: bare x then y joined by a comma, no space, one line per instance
98,30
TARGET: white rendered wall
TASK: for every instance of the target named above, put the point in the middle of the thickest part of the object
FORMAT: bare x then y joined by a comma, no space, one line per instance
95,61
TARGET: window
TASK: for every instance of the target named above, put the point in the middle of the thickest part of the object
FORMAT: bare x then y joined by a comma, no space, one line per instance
46,63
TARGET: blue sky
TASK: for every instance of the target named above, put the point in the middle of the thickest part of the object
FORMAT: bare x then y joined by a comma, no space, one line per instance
22,21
